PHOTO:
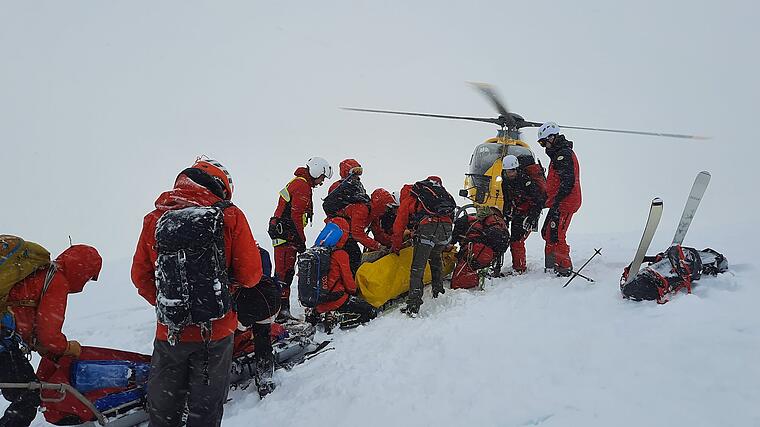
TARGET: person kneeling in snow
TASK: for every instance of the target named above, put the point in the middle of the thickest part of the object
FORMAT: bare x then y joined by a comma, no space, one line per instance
483,238
670,271
340,284
257,308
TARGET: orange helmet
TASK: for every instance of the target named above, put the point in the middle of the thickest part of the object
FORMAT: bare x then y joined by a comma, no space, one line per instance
216,170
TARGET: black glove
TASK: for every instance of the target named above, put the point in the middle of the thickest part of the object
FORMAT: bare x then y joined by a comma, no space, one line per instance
300,246
530,223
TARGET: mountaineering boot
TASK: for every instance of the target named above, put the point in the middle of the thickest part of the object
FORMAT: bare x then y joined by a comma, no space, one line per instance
411,309
313,317
549,263
413,302
438,290
264,373
284,314
563,271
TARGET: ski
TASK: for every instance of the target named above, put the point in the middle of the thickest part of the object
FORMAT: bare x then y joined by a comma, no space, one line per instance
655,213
692,203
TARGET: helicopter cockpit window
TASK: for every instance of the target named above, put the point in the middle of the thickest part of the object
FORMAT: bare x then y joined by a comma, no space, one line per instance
484,157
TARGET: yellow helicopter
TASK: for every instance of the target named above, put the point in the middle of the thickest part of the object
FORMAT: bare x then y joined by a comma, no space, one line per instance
483,181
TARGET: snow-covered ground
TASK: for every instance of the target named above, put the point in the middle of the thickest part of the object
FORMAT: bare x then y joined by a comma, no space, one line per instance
523,352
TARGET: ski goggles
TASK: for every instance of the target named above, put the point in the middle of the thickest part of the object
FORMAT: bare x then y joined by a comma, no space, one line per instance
356,170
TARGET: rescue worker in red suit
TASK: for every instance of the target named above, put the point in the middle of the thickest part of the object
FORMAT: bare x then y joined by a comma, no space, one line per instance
482,238
286,227
191,378
431,235
37,306
563,191
340,283
383,208
355,208
524,199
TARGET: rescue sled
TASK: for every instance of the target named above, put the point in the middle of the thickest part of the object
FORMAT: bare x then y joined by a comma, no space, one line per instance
106,387
388,277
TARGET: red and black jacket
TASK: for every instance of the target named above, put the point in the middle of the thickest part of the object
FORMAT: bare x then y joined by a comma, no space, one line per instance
523,196
563,183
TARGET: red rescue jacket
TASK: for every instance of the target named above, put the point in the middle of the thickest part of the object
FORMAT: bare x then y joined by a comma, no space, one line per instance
39,317
340,278
382,205
240,248
299,208
357,214
408,206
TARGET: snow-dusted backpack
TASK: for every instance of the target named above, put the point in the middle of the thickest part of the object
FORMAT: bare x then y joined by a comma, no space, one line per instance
348,192
191,270
671,271
433,198
314,266
18,259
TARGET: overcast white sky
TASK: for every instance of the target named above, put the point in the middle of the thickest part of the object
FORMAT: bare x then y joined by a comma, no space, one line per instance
103,103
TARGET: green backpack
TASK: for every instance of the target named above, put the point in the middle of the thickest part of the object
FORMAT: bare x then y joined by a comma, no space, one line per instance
18,259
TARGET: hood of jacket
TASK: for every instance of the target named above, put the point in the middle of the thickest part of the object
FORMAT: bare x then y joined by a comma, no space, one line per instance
560,143
346,166
379,202
186,193
79,264
303,172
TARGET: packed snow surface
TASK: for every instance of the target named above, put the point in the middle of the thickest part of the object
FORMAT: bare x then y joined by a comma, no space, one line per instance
523,352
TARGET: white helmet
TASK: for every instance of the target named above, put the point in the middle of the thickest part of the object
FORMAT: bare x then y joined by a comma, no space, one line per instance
318,166
547,129
510,162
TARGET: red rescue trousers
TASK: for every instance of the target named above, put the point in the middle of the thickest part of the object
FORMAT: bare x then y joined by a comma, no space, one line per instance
284,266
557,248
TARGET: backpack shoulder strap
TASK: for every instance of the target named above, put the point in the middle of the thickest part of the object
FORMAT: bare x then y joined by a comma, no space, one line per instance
223,204
51,270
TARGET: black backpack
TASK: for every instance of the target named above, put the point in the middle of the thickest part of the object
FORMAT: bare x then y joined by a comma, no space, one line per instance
348,192
313,267
192,282
670,271
434,199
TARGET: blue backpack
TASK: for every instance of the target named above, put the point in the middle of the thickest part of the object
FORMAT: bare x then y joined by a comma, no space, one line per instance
313,267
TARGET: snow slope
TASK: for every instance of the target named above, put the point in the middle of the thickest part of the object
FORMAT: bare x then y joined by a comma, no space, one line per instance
523,352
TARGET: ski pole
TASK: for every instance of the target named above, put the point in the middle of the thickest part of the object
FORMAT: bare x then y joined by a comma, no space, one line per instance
583,277
596,252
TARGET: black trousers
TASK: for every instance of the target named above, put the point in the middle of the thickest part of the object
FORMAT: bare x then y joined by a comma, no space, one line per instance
358,306
354,254
177,379
15,368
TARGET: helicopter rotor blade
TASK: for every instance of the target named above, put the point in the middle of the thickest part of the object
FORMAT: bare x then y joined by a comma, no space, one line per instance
438,116
636,132
490,93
